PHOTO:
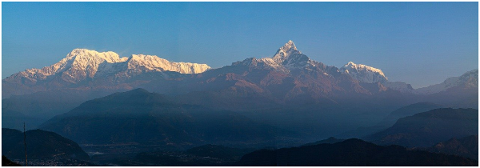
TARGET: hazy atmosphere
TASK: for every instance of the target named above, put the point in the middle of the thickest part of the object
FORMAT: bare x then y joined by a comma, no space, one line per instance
401,39
239,84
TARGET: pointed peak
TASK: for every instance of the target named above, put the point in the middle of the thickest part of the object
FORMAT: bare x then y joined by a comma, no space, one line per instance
288,46
285,51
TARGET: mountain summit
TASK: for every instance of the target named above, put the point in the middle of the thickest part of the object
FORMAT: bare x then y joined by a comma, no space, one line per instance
364,73
83,65
290,57
287,58
284,52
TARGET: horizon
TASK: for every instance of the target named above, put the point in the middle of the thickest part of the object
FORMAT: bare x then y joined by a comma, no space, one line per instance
442,37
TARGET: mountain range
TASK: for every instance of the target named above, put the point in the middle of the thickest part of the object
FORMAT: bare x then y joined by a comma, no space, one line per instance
83,67
287,83
90,70
143,103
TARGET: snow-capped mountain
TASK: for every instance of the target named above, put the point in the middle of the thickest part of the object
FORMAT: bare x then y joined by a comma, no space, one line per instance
287,58
290,57
467,80
364,73
368,74
288,78
81,64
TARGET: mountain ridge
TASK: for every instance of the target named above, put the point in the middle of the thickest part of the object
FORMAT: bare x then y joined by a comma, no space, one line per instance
364,73
142,117
287,79
83,65
468,79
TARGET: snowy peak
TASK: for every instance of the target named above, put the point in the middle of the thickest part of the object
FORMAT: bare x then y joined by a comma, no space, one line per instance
289,46
285,52
290,58
285,59
81,64
142,62
364,73
352,65
108,56
368,74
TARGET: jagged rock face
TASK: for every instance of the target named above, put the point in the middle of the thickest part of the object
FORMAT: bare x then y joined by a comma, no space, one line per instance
290,57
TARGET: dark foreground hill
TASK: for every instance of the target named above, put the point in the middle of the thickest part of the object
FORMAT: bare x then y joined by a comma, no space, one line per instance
429,128
41,145
8,162
140,117
351,152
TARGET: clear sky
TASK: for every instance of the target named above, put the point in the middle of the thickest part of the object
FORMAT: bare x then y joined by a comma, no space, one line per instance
417,43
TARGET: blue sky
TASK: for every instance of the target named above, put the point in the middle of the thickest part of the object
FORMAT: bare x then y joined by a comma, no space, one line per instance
418,43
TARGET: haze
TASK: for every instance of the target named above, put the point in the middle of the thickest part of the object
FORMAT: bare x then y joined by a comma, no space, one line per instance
401,39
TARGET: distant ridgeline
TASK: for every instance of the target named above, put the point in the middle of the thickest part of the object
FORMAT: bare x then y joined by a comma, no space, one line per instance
102,99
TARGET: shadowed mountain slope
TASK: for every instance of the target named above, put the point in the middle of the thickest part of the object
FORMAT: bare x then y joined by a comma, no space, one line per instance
428,128
351,152
40,145
141,117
